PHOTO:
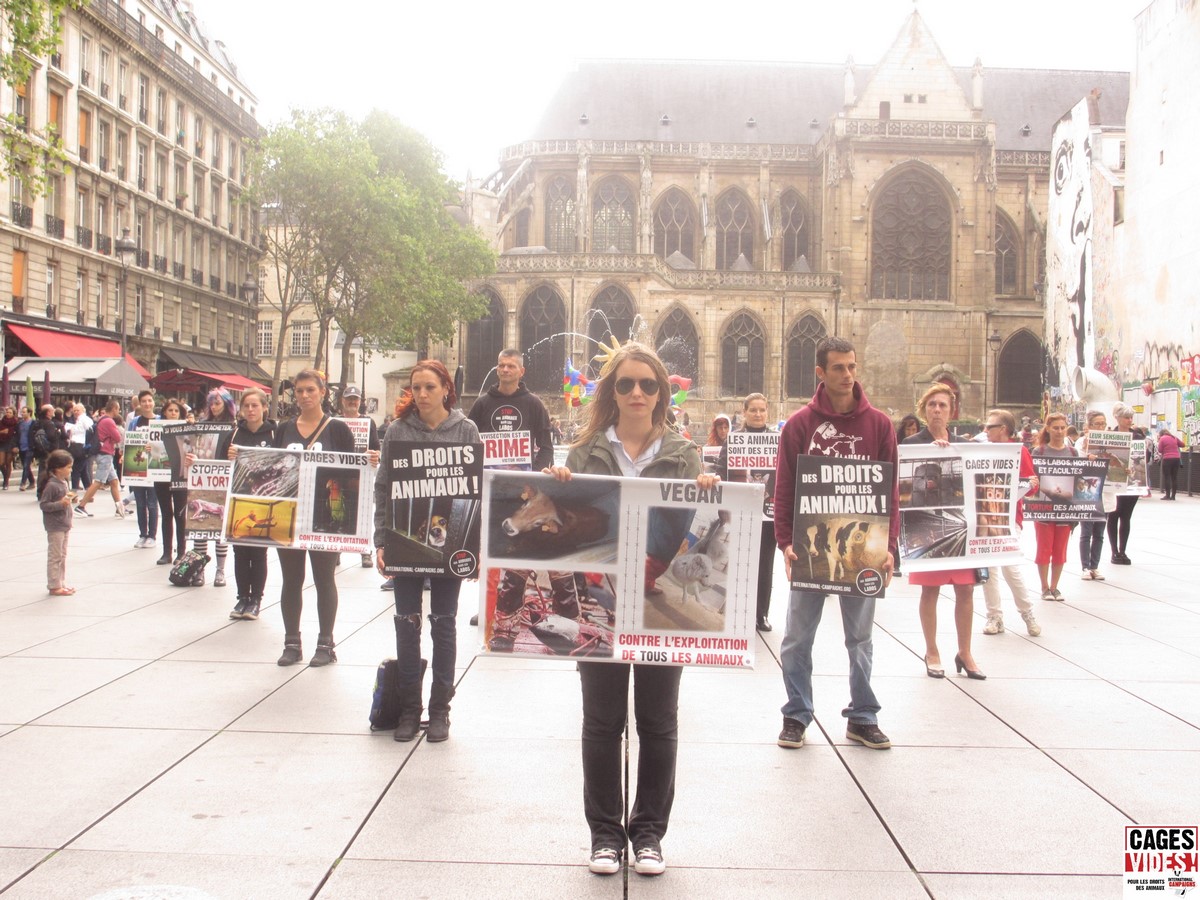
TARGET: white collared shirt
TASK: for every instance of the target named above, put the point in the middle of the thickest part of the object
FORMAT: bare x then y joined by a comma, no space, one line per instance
632,468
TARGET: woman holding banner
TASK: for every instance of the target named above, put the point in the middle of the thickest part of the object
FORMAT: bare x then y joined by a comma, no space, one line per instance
935,408
626,434
312,429
754,414
1119,518
1052,537
250,563
218,407
1091,534
171,504
426,413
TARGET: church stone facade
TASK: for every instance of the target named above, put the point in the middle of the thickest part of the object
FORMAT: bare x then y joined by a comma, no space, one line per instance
732,214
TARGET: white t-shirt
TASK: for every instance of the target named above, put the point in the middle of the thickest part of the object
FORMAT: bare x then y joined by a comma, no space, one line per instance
77,430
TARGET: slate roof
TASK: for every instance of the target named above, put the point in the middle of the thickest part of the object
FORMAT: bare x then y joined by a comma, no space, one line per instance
711,101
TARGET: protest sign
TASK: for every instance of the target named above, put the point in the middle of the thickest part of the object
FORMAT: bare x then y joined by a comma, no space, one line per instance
709,457
433,508
958,505
507,450
1069,490
620,569
841,523
201,439
360,428
207,492
750,459
145,457
302,499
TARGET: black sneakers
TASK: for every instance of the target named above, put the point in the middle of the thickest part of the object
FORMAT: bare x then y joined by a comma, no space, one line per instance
792,735
868,735
239,611
605,861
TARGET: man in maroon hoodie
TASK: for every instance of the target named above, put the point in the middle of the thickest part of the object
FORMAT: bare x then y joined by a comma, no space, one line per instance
838,421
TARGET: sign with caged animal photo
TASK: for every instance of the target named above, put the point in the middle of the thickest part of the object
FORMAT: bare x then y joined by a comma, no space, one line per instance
432,512
302,499
840,525
619,569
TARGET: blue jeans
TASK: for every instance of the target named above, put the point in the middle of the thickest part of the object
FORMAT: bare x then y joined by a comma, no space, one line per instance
443,607
1091,544
147,511
803,617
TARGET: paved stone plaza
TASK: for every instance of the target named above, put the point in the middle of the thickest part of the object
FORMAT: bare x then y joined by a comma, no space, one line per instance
150,747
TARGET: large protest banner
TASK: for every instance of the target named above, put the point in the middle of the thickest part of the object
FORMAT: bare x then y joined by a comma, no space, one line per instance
433,508
207,497
201,439
302,499
620,569
1069,489
840,526
1126,460
145,457
511,450
750,459
958,505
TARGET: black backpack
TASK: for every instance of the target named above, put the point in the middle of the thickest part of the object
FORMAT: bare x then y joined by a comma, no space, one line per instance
91,443
188,570
41,440
385,696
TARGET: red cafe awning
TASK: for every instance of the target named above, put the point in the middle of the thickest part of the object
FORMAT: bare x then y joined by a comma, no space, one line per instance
198,380
58,344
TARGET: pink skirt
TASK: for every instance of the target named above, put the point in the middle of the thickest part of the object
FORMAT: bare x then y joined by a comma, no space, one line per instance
937,579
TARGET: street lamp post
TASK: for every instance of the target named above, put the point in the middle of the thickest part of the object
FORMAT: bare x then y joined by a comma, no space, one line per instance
126,249
994,341
250,296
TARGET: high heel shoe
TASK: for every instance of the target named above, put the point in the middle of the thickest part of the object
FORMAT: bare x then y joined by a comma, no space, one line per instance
959,665
934,671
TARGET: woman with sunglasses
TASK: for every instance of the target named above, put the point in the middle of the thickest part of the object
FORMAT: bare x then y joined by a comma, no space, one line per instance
626,434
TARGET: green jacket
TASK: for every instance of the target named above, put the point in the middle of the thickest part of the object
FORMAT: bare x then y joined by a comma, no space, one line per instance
677,458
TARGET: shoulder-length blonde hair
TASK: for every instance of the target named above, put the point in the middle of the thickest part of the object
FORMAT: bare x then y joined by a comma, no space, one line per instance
603,412
932,391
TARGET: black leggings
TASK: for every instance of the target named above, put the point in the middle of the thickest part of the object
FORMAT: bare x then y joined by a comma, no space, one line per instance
1118,523
171,505
250,571
324,565
1170,476
766,568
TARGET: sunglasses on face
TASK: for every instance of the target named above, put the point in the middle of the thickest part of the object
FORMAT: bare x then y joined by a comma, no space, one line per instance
649,386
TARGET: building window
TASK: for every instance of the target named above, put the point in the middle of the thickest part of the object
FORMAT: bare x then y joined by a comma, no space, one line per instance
543,323
560,215
793,223
301,339
611,315
485,340
1008,255
675,226
742,347
1019,371
143,98
266,339
910,240
802,356
521,227
612,217
679,344
735,231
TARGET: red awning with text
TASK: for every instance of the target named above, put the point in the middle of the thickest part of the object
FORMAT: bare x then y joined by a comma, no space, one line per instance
58,344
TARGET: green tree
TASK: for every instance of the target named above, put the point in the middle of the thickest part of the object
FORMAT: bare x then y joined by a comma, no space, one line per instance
33,29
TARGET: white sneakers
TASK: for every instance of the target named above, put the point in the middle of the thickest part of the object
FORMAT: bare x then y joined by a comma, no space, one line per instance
995,624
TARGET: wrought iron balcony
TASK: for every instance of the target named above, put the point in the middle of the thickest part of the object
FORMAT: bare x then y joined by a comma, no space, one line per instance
160,264
197,278
104,244
85,153
143,258
55,227
21,214
83,236
179,270
214,282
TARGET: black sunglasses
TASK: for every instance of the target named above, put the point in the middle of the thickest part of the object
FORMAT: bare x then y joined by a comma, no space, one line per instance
649,386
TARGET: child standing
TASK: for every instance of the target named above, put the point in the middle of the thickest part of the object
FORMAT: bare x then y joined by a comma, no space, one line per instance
55,502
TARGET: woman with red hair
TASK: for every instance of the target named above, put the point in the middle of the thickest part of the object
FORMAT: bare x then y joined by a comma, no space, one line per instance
426,413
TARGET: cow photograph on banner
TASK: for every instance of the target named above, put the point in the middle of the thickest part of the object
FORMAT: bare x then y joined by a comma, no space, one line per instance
840,525
1069,490
432,515
958,505
619,569
144,460
302,499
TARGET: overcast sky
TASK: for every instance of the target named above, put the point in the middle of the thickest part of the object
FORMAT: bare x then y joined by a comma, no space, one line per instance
474,77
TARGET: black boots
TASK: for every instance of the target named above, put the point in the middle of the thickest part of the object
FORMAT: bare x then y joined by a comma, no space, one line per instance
292,650
410,712
439,712
324,654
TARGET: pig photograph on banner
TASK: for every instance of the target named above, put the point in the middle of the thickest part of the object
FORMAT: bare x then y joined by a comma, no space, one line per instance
958,505
432,514
841,525
619,568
